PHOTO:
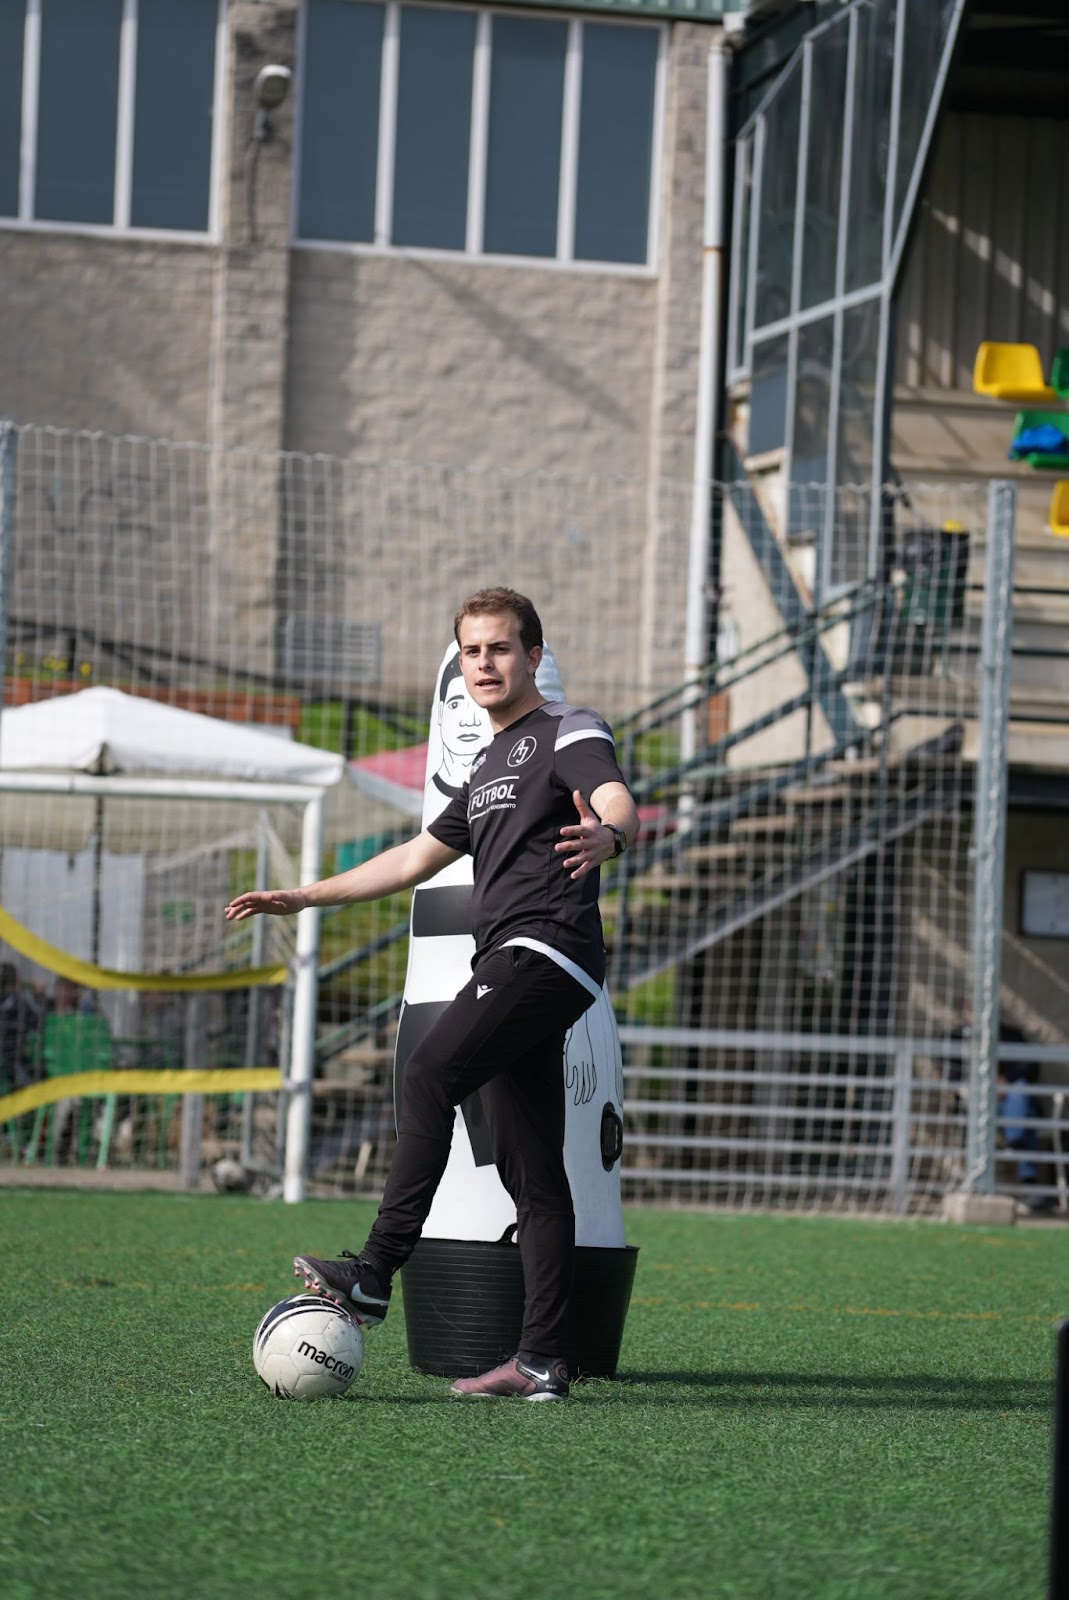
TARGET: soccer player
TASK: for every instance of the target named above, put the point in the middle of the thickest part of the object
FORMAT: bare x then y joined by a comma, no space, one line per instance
545,804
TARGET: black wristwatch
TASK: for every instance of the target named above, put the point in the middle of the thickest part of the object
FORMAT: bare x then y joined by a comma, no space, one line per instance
621,840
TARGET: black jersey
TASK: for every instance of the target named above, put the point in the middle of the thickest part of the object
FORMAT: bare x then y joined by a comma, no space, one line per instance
509,815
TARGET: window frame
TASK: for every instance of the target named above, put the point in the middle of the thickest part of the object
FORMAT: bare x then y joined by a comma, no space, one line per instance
563,259
120,225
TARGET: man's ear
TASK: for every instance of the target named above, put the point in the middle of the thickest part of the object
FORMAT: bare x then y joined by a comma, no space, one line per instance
534,659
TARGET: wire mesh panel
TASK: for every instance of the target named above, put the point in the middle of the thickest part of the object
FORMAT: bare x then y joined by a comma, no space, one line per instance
790,941
139,1031
310,597
793,937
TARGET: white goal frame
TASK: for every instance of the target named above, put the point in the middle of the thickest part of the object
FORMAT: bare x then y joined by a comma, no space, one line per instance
297,1083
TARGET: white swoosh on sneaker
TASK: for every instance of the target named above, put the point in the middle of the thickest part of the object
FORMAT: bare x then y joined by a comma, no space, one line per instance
481,989
533,1372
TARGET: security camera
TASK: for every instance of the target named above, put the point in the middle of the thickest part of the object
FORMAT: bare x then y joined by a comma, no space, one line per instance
272,86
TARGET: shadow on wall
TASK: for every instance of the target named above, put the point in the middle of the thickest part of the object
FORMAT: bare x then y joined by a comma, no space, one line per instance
516,339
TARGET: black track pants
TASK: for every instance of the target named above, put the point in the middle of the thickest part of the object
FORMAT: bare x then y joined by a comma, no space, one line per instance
503,1035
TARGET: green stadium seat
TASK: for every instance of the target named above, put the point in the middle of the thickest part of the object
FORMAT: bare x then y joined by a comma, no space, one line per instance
1011,372
1059,374
1044,459
1059,509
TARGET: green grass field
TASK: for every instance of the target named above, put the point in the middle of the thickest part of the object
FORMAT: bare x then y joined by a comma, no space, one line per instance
805,1408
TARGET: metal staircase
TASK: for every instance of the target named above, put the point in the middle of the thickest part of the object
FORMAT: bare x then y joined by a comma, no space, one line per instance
726,842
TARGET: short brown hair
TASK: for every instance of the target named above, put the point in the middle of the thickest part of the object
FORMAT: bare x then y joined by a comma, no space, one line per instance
494,602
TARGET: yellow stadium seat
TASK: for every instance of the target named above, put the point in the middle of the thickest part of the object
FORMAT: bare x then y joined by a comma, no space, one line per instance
1059,509
1010,372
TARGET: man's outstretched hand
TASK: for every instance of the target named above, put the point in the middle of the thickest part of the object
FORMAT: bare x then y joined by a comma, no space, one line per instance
585,844
265,903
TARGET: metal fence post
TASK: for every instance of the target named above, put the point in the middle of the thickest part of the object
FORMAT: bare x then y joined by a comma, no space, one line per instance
189,1160
989,837
8,437
899,1181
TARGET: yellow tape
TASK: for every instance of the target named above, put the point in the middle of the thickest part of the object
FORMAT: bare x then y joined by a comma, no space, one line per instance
93,977
71,1085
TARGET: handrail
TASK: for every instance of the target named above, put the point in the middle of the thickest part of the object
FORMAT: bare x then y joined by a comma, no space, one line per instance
352,958
332,1044
628,727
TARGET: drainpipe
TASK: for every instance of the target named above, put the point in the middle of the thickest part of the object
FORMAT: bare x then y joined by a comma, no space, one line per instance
695,639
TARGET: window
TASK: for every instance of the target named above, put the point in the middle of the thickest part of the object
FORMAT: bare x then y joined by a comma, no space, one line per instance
615,143
524,136
12,27
342,58
107,112
77,110
433,140
175,86
435,127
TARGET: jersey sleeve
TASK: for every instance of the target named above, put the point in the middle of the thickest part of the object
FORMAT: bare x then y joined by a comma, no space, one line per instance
585,753
450,827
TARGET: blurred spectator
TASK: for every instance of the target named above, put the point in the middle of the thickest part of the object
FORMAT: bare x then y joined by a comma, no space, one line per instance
19,1024
1017,1104
76,1039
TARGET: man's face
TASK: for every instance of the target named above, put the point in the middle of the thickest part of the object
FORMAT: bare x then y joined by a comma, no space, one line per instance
462,722
498,671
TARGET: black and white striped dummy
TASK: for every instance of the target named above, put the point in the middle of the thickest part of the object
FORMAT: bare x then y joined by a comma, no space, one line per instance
471,1202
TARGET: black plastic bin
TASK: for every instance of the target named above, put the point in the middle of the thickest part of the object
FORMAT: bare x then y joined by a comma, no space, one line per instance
464,1306
935,562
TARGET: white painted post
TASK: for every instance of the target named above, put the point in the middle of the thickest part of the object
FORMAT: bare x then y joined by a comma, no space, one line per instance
305,987
695,647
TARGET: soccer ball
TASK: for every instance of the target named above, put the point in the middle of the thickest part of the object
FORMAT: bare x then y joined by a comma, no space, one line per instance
230,1177
307,1346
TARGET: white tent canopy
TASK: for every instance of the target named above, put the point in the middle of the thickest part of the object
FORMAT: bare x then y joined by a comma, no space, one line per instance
105,731
113,735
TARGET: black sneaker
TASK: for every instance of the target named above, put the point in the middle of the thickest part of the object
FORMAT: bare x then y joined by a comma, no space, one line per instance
545,1381
351,1282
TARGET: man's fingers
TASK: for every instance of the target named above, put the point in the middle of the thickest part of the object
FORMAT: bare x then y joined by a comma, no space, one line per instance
258,902
580,805
241,908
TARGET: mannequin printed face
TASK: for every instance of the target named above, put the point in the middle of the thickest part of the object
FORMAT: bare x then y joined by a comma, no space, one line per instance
462,723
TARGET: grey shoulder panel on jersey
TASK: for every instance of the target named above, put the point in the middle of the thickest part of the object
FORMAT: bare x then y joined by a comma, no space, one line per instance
576,723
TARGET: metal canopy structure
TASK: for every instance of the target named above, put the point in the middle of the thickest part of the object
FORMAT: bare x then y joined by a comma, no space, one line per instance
828,172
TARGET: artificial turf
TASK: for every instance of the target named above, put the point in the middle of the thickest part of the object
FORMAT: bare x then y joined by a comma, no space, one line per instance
806,1407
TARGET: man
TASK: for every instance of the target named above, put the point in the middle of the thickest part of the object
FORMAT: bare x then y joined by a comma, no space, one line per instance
18,1032
1018,1107
539,964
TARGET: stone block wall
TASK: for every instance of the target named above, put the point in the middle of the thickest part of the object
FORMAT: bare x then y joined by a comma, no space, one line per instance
580,379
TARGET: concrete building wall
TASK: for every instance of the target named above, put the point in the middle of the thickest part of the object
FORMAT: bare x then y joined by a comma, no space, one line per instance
415,356
470,363
246,343
106,333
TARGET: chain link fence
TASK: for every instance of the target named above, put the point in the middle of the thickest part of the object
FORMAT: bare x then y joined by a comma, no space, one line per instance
791,941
